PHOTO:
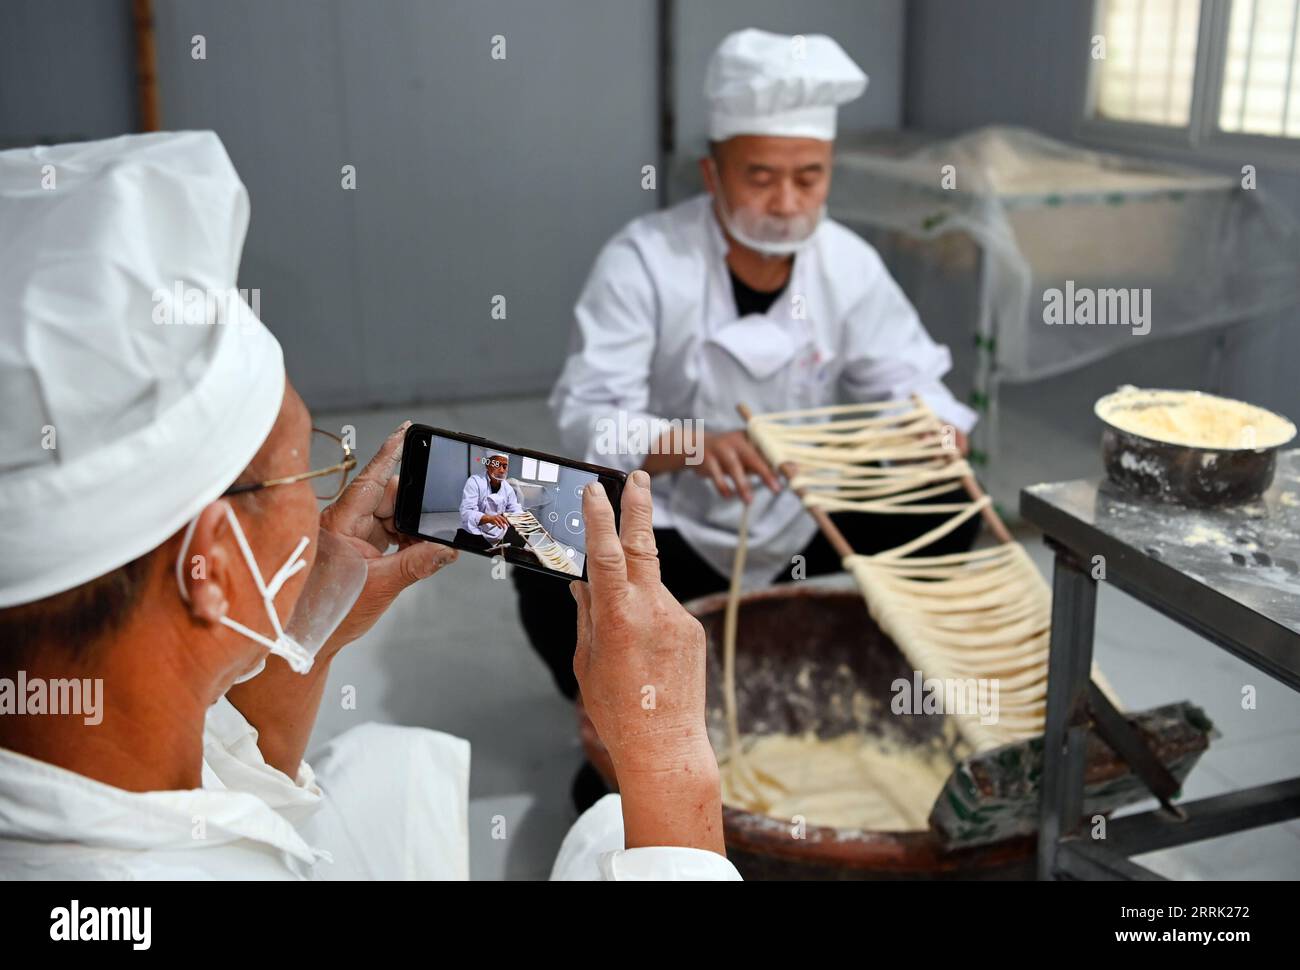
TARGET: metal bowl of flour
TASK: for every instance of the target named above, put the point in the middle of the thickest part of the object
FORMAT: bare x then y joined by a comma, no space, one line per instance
1189,448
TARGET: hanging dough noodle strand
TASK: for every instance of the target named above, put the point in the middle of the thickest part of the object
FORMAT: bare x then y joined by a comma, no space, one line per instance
980,616
729,625
847,782
740,775
541,542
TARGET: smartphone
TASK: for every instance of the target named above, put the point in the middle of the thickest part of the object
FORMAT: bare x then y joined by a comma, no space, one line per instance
499,500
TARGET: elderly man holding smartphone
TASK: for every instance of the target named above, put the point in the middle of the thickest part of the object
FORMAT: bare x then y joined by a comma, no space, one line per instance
213,599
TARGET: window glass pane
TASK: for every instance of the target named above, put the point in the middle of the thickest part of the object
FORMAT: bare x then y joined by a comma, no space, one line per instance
1147,73
1261,76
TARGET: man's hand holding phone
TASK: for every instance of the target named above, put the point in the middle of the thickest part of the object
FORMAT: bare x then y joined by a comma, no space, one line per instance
640,663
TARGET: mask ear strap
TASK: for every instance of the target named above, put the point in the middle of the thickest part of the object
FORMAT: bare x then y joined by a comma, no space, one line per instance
294,655
251,634
180,559
247,550
720,198
293,565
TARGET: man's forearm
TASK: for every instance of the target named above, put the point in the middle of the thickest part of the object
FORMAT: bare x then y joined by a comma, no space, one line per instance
678,807
282,705
668,454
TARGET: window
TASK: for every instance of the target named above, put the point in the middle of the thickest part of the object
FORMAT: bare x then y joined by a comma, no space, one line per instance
533,470
1202,72
1261,83
1150,61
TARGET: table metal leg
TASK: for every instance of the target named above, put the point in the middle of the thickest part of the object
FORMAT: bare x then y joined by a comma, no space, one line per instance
1129,744
1074,608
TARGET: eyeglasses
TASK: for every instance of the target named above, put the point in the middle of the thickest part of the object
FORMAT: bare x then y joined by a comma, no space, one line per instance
331,458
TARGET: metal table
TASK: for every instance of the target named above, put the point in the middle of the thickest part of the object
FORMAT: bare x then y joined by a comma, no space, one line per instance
1231,575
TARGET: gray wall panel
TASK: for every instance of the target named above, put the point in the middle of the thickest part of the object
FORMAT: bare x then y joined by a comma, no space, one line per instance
270,88
66,71
475,176
871,31
483,177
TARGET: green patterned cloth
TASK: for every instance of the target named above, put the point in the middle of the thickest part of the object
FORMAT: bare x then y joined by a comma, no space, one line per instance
994,796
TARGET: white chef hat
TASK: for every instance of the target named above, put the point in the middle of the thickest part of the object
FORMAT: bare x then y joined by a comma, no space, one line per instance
122,411
760,83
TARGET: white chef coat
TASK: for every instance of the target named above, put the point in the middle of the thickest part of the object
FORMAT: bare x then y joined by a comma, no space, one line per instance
384,802
657,337
478,498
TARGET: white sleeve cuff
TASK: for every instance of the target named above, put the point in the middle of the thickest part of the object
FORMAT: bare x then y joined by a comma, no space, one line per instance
231,755
949,409
666,864
593,850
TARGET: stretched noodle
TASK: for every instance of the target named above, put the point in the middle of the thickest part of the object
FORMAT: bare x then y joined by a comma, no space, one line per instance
550,552
983,615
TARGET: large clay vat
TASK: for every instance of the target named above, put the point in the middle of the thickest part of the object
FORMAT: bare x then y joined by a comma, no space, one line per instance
810,658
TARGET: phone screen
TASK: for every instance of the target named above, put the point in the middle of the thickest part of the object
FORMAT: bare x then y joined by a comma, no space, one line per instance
488,498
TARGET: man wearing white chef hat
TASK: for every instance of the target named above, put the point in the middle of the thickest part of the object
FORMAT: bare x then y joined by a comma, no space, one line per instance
745,294
158,486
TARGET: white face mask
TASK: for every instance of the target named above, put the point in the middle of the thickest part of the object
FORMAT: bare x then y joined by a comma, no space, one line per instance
332,587
769,235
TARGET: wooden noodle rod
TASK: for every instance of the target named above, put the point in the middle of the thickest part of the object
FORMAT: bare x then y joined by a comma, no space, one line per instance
990,514
829,529
991,517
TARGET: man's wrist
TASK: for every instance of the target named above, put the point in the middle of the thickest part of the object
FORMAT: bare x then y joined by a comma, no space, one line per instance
681,778
668,454
677,801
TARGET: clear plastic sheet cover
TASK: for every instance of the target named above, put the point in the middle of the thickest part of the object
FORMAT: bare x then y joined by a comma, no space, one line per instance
1024,215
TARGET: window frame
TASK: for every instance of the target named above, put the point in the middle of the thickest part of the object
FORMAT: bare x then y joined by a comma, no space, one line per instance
1201,138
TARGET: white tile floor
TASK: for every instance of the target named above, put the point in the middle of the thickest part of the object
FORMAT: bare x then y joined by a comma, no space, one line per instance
451,655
